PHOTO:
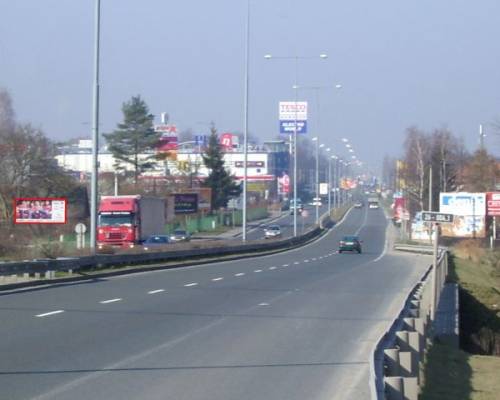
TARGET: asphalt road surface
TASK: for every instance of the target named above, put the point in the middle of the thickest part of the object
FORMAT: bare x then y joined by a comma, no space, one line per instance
295,325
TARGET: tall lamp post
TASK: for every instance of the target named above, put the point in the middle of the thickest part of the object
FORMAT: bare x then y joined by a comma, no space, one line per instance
245,126
296,60
95,132
316,199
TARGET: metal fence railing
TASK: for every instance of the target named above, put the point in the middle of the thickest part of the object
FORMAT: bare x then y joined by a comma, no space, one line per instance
396,363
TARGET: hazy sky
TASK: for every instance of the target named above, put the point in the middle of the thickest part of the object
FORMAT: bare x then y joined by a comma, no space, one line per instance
430,63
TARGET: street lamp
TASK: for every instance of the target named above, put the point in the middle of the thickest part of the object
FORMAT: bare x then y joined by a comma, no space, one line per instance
245,125
95,132
295,85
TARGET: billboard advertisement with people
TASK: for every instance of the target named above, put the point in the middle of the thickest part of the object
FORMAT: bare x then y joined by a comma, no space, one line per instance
40,210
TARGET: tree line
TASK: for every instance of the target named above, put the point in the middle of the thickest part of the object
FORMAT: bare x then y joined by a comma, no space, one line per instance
438,161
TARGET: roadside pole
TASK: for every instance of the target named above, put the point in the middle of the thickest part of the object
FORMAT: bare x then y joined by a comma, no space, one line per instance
434,271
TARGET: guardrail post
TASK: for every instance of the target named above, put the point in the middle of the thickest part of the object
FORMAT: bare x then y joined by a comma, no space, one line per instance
394,388
410,388
391,361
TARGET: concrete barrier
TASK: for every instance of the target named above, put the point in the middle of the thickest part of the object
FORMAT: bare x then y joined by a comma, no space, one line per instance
397,360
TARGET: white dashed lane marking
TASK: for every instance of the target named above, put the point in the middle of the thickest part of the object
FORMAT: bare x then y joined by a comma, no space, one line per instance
258,270
190,284
271,268
110,301
156,291
263,304
285,265
218,279
296,263
239,274
49,313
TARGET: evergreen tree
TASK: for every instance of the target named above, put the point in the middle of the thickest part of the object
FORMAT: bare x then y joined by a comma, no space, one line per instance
134,136
223,185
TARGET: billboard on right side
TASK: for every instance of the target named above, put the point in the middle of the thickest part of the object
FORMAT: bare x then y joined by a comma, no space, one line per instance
469,210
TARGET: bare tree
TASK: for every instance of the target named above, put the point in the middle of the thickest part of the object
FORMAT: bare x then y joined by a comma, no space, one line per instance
417,159
482,173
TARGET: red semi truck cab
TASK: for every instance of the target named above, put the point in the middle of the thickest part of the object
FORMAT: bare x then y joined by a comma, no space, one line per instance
128,220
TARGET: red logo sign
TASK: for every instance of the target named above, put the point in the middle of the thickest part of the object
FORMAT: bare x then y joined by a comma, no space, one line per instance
493,204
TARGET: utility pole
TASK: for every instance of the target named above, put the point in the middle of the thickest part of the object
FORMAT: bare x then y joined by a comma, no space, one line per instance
94,193
430,188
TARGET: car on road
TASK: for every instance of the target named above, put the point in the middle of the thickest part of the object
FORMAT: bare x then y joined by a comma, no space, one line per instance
180,235
154,241
272,231
358,204
299,207
350,243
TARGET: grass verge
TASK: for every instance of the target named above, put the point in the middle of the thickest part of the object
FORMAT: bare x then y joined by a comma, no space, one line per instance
452,373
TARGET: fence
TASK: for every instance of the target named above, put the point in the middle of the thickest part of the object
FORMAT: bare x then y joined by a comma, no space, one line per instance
10,271
397,361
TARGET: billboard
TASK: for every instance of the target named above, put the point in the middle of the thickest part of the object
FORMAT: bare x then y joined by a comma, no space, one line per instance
462,203
492,204
293,115
469,210
185,203
284,184
40,210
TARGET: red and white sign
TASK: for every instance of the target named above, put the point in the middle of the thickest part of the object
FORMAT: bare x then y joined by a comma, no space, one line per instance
291,110
493,204
284,184
166,129
228,141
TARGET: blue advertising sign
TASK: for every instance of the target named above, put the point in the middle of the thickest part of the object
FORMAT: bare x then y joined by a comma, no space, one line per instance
201,140
288,127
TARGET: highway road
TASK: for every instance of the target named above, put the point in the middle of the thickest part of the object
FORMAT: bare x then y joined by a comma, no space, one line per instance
294,325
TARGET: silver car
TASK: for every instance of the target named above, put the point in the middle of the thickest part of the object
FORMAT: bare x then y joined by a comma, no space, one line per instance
272,231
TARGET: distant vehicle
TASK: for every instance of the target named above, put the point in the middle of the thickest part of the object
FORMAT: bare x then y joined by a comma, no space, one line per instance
180,235
272,231
373,202
299,207
156,241
285,205
350,243
358,204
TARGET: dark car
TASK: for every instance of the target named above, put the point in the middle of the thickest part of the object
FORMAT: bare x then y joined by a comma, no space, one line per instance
155,241
350,243
180,235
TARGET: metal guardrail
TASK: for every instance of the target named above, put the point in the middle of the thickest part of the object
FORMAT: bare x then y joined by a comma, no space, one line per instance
397,359
47,267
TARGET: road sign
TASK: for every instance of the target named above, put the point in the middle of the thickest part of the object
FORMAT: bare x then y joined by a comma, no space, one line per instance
432,216
80,228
